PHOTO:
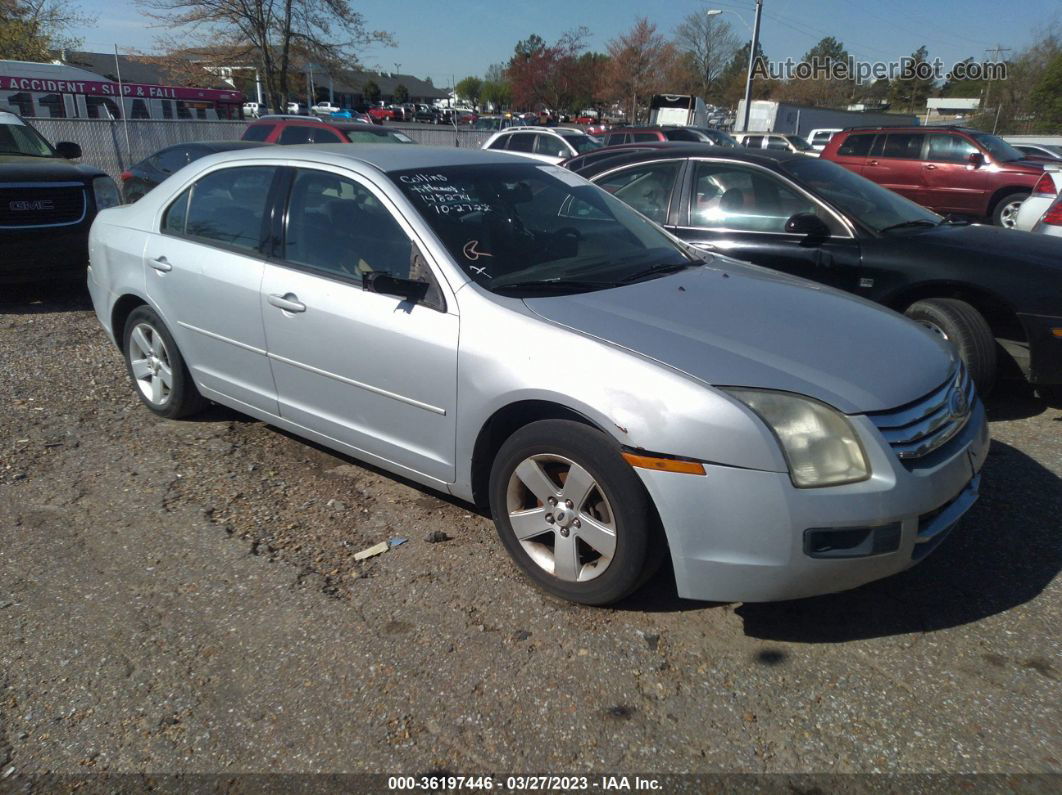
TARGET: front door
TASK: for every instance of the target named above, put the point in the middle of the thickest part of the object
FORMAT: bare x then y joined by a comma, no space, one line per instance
204,272
952,183
374,372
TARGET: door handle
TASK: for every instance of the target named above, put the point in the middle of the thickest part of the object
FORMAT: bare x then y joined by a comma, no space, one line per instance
929,167
161,264
289,302
872,163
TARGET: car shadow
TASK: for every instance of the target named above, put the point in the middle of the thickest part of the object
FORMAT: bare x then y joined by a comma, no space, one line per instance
68,295
1003,554
1014,400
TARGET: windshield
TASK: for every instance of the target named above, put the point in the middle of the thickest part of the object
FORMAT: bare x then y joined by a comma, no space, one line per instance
514,227
997,147
798,142
17,138
867,202
583,143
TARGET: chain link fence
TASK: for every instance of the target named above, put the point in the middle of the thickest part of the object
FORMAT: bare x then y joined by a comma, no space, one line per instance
103,141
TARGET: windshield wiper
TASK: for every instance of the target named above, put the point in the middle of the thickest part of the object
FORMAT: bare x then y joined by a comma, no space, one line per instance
954,220
658,270
921,222
555,284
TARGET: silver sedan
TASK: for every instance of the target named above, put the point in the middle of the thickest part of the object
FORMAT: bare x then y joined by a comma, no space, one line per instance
506,332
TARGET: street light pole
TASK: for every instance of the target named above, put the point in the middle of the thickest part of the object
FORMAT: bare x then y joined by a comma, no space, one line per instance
752,61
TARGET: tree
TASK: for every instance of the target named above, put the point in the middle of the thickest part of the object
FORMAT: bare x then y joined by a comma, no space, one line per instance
544,76
275,35
401,93
823,90
1046,97
708,43
911,89
31,30
371,91
496,94
590,89
732,80
638,58
469,88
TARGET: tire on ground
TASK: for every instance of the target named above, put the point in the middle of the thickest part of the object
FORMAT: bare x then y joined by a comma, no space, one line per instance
184,399
640,545
967,330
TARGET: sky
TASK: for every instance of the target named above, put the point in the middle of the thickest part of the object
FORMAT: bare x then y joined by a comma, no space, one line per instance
456,38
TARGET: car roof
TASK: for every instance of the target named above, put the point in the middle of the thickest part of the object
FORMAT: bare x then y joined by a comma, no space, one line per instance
224,146
681,150
385,157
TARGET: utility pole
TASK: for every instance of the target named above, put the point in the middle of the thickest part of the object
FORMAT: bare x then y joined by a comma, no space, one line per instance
988,84
752,61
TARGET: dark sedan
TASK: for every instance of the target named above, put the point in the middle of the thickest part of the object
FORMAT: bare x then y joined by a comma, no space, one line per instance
149,172
995,293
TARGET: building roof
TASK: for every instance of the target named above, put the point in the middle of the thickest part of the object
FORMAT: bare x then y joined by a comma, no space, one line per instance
353,82
134,69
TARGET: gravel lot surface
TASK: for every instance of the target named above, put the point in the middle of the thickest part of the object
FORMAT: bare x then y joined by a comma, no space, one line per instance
183,597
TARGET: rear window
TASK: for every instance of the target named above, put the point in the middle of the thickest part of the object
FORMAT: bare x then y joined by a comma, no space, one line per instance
296,135
856,145
905,146
257,132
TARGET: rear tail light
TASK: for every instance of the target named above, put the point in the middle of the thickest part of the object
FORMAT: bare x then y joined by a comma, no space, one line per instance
1045,186
1053,216
125,176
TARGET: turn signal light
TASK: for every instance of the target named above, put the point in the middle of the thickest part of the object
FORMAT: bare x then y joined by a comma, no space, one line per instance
1045,186
682,466
1057,332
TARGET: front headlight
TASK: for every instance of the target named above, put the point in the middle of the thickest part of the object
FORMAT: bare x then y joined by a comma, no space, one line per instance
106,193
820,445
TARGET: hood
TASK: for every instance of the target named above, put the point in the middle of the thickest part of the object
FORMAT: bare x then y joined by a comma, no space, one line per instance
19,168
732,324
995,242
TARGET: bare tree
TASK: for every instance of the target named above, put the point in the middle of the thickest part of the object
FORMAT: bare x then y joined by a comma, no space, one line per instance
709,43
274,35
638,62
31,30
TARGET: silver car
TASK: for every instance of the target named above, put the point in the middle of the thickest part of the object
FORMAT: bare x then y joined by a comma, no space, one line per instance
503,331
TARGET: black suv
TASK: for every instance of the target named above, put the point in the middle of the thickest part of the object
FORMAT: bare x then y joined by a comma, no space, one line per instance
46,204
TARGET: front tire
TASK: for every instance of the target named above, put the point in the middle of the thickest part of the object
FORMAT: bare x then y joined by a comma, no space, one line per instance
966,329
572,513
157,368
1005,213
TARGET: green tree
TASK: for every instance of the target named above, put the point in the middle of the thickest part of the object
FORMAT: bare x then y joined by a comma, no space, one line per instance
498,94
470,89
401,93
909,90
1046,97
31,30
371,91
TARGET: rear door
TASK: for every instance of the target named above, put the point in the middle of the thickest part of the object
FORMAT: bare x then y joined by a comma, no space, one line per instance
374,372
952,183
854,151
204,275
741,210
895,162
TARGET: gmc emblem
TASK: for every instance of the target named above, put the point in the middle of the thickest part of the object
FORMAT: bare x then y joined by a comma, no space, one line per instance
39,204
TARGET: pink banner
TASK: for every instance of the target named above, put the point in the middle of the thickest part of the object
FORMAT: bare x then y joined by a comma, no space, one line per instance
109,89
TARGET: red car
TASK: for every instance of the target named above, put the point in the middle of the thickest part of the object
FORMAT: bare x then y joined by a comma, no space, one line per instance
380,114
951,170
307,130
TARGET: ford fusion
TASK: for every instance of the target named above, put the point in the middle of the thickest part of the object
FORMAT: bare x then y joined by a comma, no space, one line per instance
503,331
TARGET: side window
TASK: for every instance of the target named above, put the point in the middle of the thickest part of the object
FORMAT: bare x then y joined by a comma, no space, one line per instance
855,146
521,142
296,134
950,149
548,145
500,142
176,214
339,227
646,187
257,132
640,137
774,142
325,136
753,142
229,207
906,146
744,199
614,139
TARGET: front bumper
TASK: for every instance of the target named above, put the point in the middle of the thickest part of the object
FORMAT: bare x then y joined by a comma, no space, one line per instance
739,534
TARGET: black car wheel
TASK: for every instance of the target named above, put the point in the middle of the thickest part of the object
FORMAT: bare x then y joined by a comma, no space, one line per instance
572,513
966,329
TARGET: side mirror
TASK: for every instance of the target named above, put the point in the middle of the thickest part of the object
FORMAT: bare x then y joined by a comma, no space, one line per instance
809,225
68,149
975,159
386,284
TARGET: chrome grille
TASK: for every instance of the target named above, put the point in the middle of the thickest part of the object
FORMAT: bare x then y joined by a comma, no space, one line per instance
919,428
40,204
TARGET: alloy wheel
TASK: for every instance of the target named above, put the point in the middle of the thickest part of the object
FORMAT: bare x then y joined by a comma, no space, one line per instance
150,363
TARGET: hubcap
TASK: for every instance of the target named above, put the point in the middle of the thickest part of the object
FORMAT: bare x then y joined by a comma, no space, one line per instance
150,362
561,517
1008,217
935,329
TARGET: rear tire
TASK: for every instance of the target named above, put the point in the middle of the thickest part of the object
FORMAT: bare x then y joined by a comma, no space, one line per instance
1005,213
157,368
595,550
966,329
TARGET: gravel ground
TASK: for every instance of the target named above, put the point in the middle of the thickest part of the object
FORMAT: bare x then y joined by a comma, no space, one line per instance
183,597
